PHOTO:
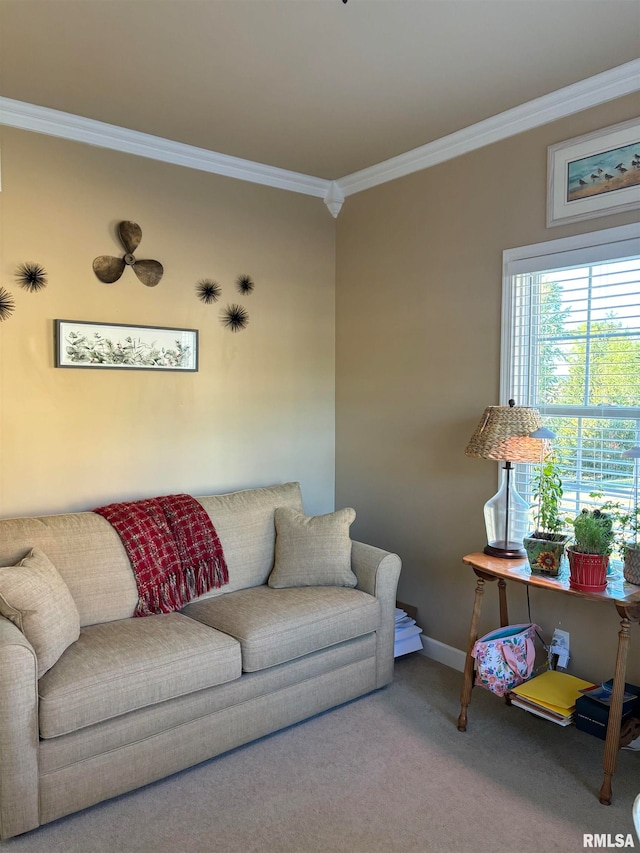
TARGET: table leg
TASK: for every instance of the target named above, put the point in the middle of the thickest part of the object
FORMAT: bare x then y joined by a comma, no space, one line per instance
502,594
612,742
467,682
504,617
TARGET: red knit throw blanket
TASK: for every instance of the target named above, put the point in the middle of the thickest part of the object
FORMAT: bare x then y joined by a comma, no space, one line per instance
173,547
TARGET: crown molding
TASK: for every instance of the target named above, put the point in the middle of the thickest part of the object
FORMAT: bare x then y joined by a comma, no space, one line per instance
79,129
615,83
334,199
591,92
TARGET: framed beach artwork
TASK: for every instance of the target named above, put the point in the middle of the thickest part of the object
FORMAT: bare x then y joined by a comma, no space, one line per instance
595,174
123,347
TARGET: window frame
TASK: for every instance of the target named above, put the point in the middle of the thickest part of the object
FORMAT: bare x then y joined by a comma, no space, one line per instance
583,249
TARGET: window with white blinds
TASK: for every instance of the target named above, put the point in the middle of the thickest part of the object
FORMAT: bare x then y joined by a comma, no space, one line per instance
571,348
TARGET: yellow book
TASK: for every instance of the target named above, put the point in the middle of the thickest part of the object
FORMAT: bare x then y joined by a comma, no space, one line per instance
553,689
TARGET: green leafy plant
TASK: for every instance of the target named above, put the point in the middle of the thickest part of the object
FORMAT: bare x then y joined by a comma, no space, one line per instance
626,523
593,532
547,492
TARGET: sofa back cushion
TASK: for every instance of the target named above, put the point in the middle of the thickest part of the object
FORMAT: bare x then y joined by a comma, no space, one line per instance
88,553
244,521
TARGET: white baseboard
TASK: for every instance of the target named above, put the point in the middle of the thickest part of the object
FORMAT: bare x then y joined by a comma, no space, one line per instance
448,655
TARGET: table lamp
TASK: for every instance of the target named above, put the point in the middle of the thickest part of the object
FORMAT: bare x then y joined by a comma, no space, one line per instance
504,435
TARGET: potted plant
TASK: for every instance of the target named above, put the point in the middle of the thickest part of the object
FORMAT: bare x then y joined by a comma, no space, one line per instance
630,548
589,555
545,546
626,522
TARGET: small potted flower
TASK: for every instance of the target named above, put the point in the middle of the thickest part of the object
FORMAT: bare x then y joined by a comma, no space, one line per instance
589,554
545,546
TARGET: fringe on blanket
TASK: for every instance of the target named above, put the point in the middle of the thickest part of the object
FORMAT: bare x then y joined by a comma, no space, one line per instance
173,547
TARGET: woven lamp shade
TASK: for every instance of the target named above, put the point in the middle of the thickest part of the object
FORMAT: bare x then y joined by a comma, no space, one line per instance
503,434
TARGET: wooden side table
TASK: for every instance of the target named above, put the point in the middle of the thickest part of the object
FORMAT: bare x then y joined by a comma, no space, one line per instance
625,598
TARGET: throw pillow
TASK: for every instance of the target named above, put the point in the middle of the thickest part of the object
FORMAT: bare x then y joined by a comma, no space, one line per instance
312,551
36,599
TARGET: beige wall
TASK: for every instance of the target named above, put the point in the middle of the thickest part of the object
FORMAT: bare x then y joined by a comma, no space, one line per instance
261,408
418,339
419,278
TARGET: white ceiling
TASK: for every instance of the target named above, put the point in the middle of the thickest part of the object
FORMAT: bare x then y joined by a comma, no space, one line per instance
313,86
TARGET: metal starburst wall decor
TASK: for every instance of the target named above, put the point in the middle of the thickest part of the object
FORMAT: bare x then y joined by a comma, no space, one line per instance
7,304
234,317
245,284
208,291
31,277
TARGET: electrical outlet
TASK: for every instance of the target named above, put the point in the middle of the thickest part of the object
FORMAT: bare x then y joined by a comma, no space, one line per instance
560,648
562,639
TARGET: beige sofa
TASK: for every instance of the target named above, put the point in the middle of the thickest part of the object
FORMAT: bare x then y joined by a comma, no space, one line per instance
135,699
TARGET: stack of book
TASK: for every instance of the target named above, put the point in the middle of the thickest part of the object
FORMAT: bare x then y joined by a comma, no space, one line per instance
407,637
552,695
592,712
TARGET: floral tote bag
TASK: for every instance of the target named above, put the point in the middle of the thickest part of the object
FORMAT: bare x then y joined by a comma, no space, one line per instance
505,657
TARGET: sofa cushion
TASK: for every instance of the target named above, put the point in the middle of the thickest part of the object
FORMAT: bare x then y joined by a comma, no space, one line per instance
312,551
119,666
244,521
37,600
277,625
88,554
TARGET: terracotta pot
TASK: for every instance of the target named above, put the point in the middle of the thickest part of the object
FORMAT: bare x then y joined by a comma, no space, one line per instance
631,569
588,572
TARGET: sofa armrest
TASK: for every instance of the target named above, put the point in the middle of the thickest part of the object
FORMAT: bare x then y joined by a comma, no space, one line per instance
19,810
378,572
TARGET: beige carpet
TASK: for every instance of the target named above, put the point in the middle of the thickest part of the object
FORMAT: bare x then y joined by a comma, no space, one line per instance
389,772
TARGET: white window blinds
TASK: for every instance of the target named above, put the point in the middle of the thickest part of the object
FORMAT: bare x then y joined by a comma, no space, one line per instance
571,347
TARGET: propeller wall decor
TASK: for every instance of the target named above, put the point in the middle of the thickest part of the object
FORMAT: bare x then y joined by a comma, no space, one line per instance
109,269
